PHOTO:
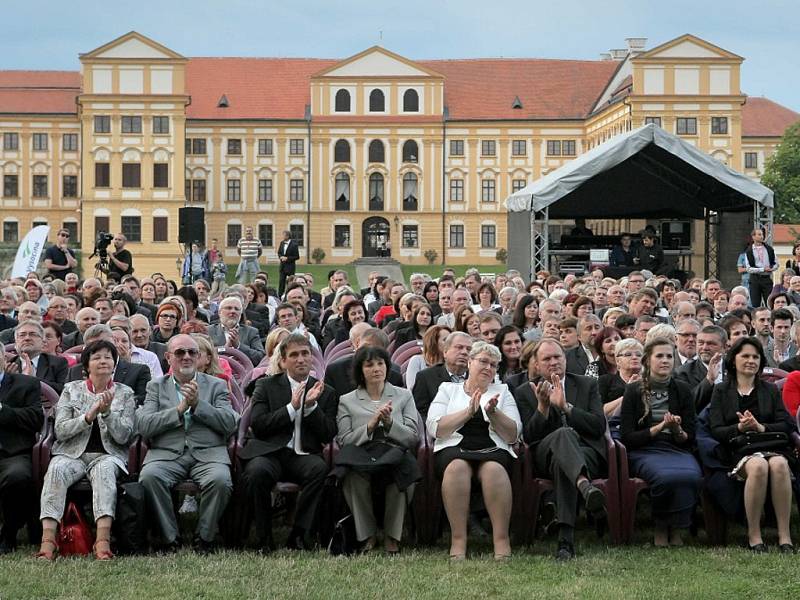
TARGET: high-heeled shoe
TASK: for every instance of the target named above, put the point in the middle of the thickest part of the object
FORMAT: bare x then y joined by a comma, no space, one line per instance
101,553
50,554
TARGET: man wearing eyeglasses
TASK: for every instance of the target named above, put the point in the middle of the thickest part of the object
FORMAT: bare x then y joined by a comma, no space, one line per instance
187,419
686,337
59,259
30,360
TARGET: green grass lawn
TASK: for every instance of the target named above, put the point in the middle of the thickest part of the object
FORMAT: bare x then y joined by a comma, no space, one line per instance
599,572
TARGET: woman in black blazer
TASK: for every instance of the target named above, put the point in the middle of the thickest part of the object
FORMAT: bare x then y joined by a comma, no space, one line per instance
743,403
658,426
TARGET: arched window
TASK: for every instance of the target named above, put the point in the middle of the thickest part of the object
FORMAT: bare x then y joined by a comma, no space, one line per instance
341,151
376,154
377,103
410,192
410,101
342,101
342,192
410,152
376,191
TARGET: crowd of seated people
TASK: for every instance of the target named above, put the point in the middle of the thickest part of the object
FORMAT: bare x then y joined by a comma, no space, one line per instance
242,392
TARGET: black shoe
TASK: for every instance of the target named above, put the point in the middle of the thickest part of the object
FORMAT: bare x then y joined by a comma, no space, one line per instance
566,551
266,546
476,530
7,547
786,549
170,547
200,546
297,540
759,548
547,518
595,500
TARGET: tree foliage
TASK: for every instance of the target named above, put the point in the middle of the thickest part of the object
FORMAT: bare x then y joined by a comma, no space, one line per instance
782,176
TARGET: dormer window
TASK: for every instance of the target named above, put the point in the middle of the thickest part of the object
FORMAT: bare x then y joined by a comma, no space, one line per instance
377,102
223,102
342,103
411,101
517,103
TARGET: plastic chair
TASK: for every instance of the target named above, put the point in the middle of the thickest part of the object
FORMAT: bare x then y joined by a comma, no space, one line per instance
74,350
333,347
773,375
237,355
341,349
399,350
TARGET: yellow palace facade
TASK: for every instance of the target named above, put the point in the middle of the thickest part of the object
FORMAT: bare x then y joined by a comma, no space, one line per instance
374,155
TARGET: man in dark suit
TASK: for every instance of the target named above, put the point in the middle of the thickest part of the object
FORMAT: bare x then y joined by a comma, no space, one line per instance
135,376
563,421
7,322
29,359
578,357
706,370
21,418
288,254
293,417
339,374
453,369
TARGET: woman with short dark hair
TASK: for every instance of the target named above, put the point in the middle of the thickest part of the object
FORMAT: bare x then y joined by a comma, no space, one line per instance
377,425
743,409
93,427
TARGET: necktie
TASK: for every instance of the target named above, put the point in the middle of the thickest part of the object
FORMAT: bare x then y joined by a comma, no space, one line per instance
298,425
456,378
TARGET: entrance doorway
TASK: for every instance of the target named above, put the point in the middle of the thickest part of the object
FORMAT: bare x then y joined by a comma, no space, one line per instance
375,238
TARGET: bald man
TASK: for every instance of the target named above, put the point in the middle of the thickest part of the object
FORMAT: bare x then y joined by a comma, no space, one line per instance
187,419
85,318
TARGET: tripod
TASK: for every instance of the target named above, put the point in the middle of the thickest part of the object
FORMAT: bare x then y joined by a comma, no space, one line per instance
101,268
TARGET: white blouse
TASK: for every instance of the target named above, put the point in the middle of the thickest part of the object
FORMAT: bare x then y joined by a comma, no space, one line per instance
451,398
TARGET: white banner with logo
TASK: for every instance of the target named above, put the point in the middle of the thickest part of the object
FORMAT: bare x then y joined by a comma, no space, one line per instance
30,251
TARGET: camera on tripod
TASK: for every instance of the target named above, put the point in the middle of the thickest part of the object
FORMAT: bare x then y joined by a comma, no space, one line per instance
101,245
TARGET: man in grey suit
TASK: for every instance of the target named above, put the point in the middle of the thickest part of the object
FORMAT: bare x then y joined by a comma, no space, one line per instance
229,332
187,419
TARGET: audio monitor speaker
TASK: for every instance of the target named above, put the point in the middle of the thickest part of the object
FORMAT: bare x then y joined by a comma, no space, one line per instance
191,225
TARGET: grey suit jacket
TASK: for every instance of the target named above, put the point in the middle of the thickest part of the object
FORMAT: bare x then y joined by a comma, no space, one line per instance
356,409
73,432
249,341
212,422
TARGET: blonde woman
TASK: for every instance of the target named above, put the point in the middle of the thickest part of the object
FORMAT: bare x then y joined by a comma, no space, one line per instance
272,359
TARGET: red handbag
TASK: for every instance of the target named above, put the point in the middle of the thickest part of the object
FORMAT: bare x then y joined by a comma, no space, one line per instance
74,536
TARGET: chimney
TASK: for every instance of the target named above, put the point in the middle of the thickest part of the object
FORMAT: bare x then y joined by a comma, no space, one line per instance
605,56
619,53
636,45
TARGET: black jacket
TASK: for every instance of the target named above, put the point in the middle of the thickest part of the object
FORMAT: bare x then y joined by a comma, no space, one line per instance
7,322
426,386
577,361
270,425
339,375
51,369
292,254
724,422
134,375
587,417
636,434
21,417
694,374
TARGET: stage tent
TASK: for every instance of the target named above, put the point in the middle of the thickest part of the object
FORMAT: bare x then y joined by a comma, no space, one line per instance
641,174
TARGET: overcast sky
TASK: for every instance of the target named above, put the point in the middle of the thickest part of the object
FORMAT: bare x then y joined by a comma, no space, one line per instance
50,34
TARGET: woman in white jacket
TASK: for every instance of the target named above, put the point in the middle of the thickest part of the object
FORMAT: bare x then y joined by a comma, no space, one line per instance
475,424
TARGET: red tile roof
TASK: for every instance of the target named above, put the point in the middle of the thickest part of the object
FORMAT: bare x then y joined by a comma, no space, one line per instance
762,117
256,88
548,89
785,234
39,92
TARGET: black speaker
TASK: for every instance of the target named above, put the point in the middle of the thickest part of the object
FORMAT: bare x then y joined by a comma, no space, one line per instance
191,225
